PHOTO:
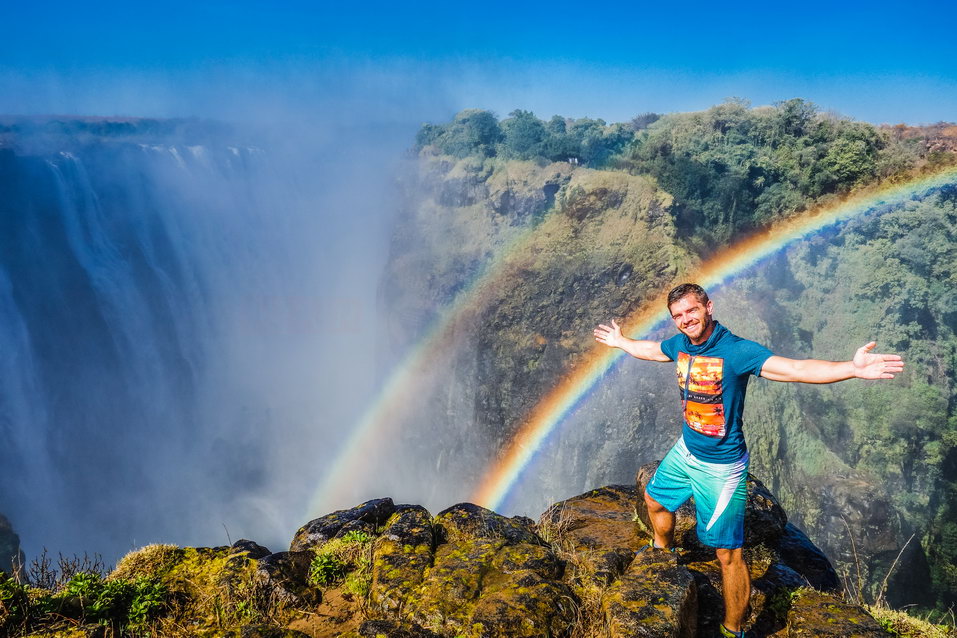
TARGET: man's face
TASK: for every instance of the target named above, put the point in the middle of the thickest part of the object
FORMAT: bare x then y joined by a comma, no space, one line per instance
692,317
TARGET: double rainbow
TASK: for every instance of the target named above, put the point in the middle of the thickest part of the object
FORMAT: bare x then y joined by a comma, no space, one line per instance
570,391
373,428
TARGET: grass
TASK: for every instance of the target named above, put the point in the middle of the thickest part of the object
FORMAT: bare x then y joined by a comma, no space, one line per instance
900,623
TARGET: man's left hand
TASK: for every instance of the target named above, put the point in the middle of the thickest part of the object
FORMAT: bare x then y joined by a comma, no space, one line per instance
868,365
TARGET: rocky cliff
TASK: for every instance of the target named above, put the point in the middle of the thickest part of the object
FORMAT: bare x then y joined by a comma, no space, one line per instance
382,569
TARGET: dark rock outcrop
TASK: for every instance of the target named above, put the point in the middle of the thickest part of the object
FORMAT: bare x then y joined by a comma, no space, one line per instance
286,576
317,531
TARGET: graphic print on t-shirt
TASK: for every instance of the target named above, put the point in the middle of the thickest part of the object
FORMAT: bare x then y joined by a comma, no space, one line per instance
703,398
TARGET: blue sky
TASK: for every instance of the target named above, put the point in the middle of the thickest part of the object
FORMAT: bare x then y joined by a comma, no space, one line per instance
874,61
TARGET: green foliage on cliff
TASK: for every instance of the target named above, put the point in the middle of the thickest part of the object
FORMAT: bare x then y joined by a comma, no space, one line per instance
883,456
731,168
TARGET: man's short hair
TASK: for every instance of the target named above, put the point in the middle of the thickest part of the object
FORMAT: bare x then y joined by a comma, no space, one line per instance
679,292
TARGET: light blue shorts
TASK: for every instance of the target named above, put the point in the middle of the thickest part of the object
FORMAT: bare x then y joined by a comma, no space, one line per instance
720,494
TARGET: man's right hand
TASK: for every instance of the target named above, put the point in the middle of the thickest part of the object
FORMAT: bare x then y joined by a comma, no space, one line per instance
609,335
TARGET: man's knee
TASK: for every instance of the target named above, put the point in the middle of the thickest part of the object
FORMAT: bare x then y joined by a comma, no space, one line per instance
653,506
729,557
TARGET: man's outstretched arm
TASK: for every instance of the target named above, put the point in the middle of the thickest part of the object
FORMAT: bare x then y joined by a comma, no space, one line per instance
611,336
864,365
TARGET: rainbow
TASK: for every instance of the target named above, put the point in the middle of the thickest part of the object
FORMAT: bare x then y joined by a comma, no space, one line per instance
407,379
562,400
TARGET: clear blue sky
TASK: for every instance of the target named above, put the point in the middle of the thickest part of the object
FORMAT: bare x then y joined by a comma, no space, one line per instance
874,61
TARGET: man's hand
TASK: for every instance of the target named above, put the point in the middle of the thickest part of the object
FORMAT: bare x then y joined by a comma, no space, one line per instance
876,366
609,335
640,349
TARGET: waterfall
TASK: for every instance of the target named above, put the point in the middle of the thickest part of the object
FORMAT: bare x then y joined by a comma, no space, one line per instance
171,349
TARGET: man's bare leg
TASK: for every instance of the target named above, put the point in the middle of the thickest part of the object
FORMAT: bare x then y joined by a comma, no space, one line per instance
736,584
662,522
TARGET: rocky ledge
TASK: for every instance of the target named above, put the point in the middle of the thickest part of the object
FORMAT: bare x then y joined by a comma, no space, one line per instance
395,571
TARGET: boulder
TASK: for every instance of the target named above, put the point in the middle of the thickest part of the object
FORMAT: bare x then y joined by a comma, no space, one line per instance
800,554
771,586
490,576
285,576
401,554
815,614
467,522
318,531
599,526
654,598
764,520
252,549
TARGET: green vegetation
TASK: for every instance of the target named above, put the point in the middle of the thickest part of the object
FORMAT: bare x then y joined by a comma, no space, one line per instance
731,168
122,605
345,560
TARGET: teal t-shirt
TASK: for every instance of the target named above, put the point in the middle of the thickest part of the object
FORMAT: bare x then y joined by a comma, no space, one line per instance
712,382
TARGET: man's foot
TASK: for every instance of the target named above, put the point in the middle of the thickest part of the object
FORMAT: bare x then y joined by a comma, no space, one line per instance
724,632
651,545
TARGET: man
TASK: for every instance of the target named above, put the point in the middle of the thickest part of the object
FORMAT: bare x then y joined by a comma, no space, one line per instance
710,459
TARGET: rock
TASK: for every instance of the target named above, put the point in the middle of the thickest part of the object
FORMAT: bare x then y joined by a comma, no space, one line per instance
268,631
11,556
816,614
358,526
286,576
467,521
654,598
320,530
446,597
390,629
490,576
771,585
600,525
800,554
253,550
401,555
764,519
527,606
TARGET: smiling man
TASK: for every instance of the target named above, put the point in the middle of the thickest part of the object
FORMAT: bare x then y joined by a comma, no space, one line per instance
710,459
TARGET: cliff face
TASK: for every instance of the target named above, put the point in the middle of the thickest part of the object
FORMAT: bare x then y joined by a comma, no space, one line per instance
382,569
573,247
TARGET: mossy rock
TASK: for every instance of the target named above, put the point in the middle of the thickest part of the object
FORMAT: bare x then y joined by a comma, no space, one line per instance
391,629
317,531
467,522
815,614
445,599
525,606
599,526
654,598
401,555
